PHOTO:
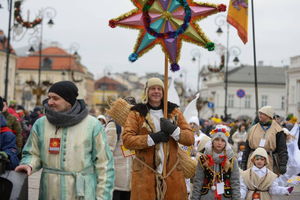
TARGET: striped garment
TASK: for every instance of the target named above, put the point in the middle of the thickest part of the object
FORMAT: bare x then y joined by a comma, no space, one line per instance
84,166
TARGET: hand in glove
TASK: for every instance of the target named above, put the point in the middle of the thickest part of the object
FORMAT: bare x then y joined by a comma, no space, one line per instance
159,137
282,169
167,126
290,189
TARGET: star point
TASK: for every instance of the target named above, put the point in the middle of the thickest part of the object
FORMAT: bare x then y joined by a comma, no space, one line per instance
167,22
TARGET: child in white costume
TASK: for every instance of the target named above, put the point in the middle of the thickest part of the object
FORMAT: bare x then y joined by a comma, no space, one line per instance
293,165
258,182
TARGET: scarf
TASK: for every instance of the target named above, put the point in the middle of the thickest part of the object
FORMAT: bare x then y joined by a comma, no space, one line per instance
268,123
68,118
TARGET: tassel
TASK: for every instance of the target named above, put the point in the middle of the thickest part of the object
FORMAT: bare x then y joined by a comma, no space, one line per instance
133,57
174,67
210,159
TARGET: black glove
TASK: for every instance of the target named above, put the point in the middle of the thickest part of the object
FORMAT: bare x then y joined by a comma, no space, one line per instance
282,169
167,126
159,137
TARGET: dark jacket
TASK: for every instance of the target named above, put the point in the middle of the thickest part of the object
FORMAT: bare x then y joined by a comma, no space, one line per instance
8,144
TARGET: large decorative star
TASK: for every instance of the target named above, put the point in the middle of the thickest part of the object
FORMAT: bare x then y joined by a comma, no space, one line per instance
167,22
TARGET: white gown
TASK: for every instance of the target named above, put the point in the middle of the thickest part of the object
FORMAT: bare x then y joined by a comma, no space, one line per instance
293,165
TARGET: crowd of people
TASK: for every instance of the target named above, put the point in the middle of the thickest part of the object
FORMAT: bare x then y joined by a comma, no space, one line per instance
135,152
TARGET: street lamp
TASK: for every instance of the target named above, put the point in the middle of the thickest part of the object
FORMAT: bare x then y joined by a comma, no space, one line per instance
104,87
196,57
228,51
73,50
36,39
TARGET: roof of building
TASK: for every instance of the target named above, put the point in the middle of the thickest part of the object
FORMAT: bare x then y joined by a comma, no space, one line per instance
61,60
108,83
265,75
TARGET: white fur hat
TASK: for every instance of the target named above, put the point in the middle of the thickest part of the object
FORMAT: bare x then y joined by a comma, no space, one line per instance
267,110
194,119
203,141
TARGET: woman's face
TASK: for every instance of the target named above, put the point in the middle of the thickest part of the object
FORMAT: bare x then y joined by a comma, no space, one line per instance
218,145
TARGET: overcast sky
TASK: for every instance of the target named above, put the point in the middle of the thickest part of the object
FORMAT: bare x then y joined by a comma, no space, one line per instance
86,22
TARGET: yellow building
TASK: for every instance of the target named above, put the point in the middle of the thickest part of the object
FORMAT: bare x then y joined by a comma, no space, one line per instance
106,88
56,64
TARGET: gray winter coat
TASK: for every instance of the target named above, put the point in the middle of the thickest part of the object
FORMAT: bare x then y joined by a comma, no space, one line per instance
200,176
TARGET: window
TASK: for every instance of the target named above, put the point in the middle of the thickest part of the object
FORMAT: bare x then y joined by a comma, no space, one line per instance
264,100
230,100
247,101
282,102
47,63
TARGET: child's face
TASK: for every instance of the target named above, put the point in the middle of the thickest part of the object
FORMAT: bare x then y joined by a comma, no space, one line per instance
219,145
259,161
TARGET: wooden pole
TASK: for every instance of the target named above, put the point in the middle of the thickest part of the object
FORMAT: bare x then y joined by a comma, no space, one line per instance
166,79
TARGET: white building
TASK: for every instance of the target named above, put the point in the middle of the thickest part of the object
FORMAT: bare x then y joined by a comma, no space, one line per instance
271,91
11,69
293,87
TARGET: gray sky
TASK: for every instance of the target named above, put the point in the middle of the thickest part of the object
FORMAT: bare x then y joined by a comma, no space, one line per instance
101,47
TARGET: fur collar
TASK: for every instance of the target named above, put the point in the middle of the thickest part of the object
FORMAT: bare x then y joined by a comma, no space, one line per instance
143,109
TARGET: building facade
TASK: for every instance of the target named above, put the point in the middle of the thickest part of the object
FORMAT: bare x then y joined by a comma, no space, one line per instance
293,86
11,68
241,99
107,88
52,65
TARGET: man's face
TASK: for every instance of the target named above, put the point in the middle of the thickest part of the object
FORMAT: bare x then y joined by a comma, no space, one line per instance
155,95
263,117
219,144
57,103
259,161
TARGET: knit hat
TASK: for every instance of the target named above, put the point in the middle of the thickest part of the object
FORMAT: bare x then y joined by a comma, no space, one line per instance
267,110
194,119
220,131
65,89
291,119
260,152
149,83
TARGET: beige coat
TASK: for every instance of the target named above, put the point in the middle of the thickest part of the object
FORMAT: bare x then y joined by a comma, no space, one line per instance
122,164
256,133
264,183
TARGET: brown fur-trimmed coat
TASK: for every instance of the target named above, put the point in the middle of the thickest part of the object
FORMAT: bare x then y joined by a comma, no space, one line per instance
138,125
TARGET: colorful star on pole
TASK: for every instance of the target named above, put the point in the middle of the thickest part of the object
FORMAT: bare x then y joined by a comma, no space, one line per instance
167,22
